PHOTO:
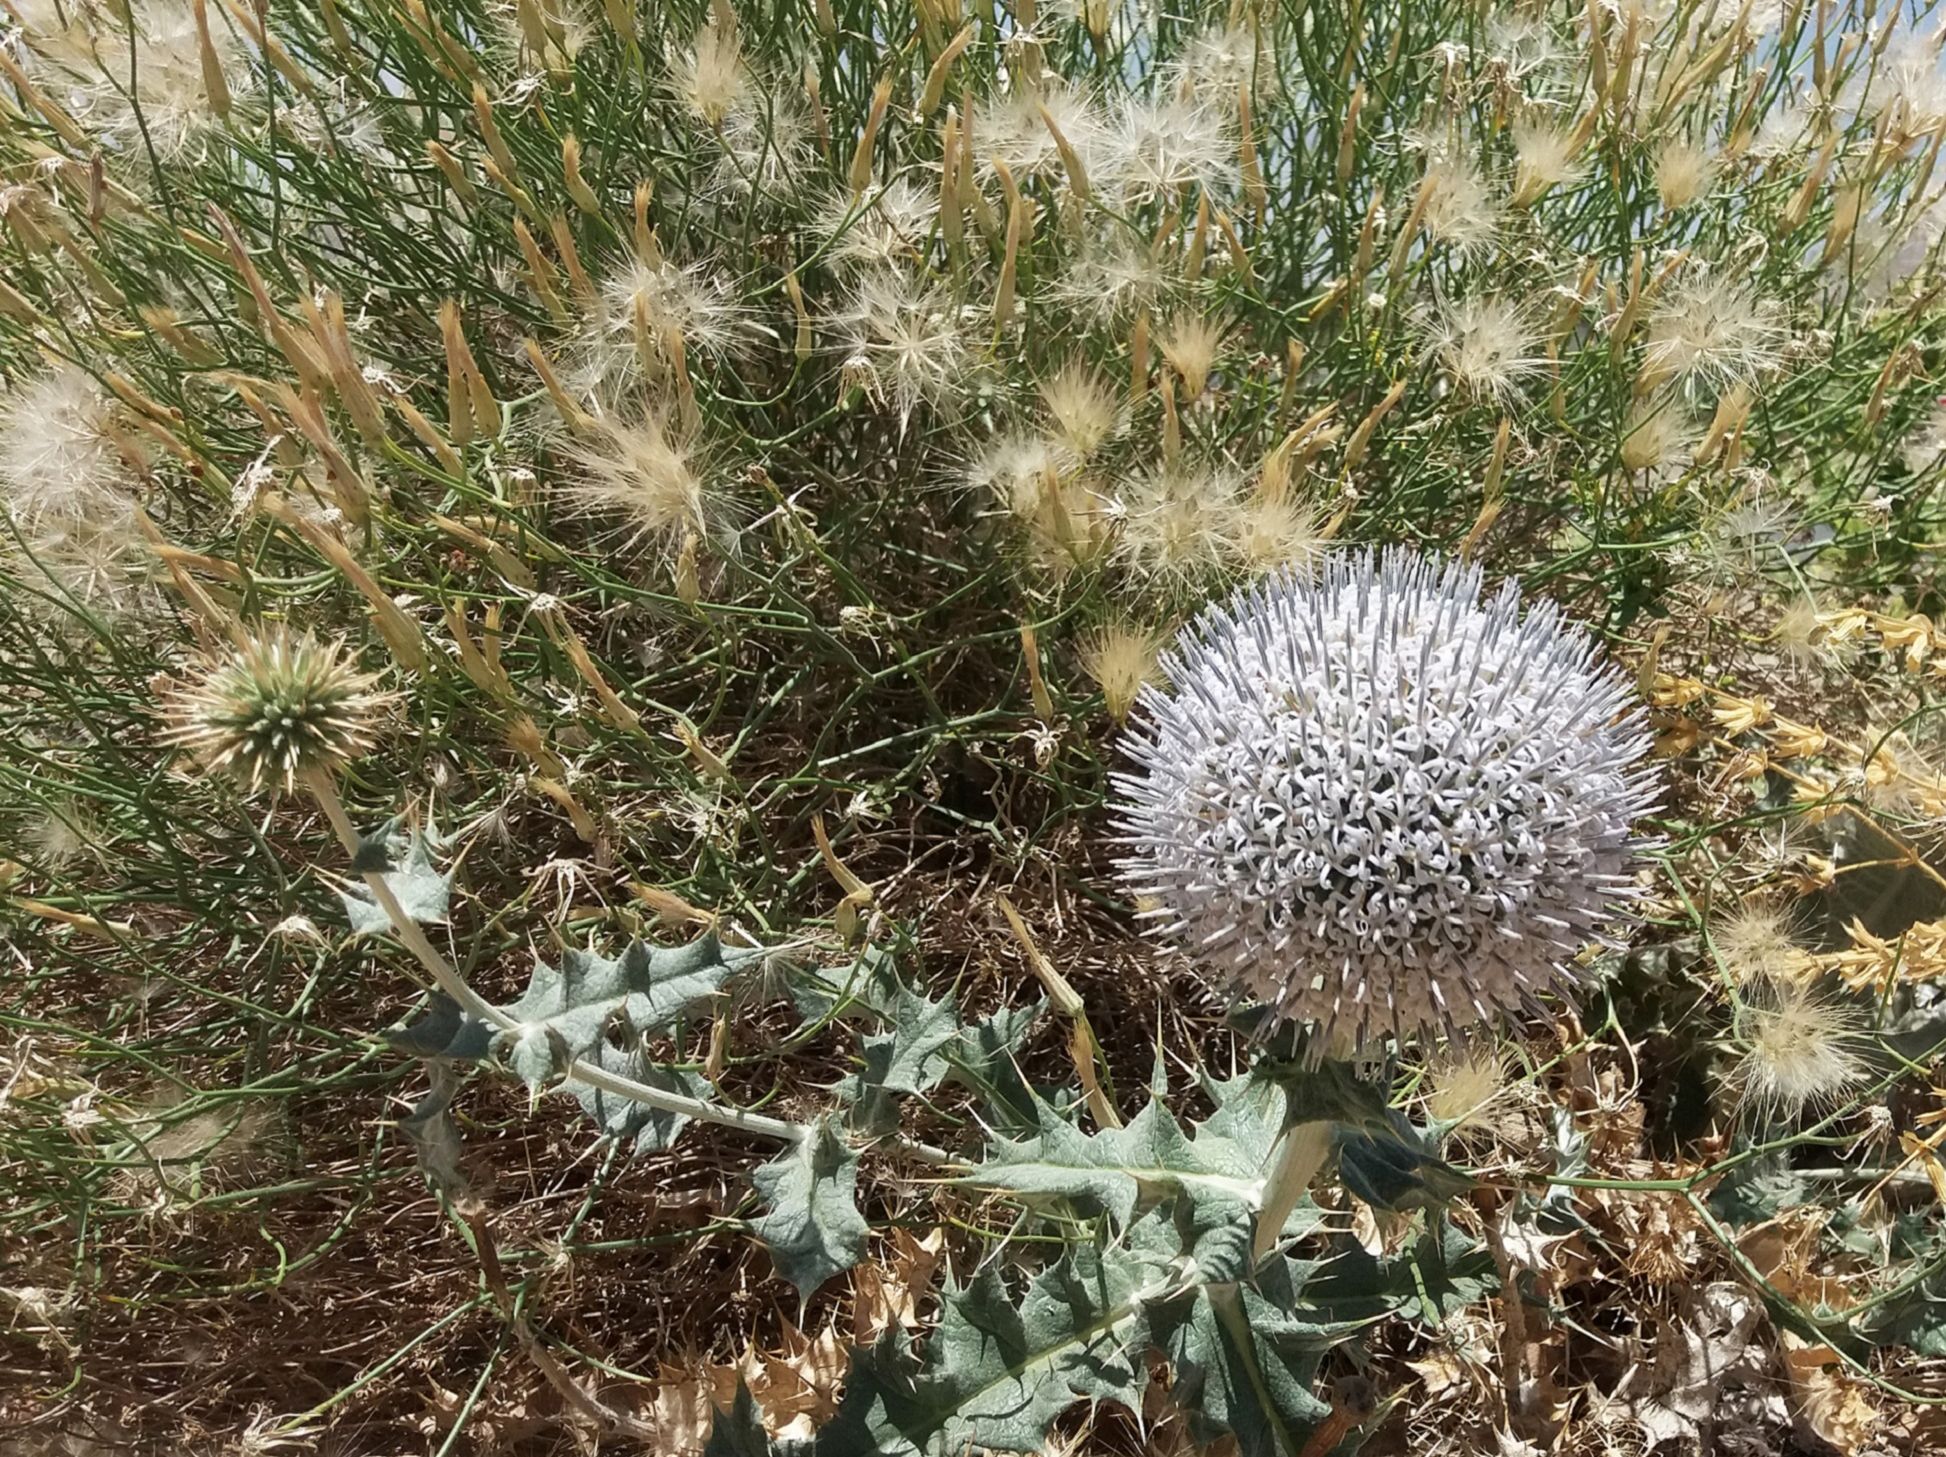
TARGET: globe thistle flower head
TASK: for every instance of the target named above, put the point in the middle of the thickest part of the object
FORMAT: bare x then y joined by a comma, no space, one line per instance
1380,804
277,707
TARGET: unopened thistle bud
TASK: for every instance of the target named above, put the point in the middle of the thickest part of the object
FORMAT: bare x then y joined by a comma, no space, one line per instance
1381,805
276,708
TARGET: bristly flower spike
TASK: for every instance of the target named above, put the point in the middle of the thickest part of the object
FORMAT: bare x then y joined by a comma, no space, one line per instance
278,708
1382,805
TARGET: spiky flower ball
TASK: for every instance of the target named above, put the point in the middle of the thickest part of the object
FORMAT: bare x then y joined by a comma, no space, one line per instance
277,707
1380,804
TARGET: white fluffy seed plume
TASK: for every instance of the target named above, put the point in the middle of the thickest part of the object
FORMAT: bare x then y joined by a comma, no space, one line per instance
1381,805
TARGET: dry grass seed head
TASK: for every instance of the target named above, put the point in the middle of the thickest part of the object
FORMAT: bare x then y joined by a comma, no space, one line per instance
1192,343
643,472
1802,1049
1122,659
1085,410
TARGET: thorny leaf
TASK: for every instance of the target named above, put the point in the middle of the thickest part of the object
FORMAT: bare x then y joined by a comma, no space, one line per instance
406,861
1120,1169
589,1002
996,1374
435,1137
813,1230
887,1292
738,1432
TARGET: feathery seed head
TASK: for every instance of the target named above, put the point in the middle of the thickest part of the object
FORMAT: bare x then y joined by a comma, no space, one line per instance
645,306
1921,451
1684,171
1460,210
1191,343
1522,45
58,454
1486,343
1037,480
1274,533
1380,804
767,149
709,76
1178,523
60,834
1113,278
1801,636
1122,659
1712,330
1801,1048
1468,1076
162,99
1084,409
1220,60
1658,438
1756,942
1016,133
275,707
905,340
1018,469
642,472
891,224
1746,538
102,561
1907,90
1163,148
1543,158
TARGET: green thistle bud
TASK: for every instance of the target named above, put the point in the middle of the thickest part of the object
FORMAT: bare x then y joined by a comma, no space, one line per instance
277,707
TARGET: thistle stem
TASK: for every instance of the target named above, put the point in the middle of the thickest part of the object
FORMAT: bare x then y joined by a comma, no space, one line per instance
449,981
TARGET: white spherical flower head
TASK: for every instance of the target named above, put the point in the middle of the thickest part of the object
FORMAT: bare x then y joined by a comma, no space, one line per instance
1380,804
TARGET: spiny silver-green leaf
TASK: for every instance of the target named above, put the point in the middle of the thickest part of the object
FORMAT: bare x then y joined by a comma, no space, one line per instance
1123,1169
566,1012
995,1374
422,890
812,1228
595,1010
